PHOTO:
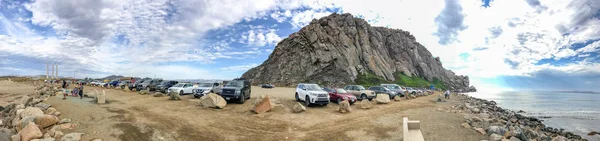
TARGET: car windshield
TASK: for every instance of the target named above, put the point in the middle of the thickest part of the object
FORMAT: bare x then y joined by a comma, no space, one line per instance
341,91
386,89
205,84
360,87
312,87
178,85
235,84
392,87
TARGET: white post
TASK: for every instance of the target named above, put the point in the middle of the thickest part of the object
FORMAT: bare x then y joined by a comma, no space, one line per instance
47,70
57,71
53,71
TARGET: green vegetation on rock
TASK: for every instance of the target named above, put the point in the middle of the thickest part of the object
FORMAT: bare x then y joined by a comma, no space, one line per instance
369,79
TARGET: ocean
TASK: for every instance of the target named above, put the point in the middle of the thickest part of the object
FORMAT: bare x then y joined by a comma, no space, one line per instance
575,112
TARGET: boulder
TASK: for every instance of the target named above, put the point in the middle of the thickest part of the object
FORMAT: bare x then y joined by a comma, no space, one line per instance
45,139
480,130
57,113
365,104
31,131
212,100
50,111
58,134
465,125
25,100
262,104
344,107
514,139
72,137
495,137
42,106
476,119
16,137
530,134
143,92
159,94
475,110
4,136
382,99
46,120
559,138
496,130
397,98
101,97
65,120
298,108
21,124
175,96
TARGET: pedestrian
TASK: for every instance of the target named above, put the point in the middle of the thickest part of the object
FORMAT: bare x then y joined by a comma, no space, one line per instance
447,94
80,91
64,88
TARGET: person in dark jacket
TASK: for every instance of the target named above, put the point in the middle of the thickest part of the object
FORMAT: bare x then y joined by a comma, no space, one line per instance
64,88
80,91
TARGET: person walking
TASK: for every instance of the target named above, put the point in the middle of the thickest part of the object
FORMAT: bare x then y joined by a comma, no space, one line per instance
64,88
80,91
447,94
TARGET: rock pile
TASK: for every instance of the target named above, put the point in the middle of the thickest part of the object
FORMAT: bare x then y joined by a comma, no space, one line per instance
30,118
487,118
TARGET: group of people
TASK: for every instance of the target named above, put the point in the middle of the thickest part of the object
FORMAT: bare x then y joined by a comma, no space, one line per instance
77,91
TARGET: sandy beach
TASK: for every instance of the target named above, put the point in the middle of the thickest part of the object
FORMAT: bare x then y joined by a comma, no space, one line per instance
131,116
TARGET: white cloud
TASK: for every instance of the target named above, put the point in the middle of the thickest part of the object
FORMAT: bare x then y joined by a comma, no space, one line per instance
303,18
261,37
239,67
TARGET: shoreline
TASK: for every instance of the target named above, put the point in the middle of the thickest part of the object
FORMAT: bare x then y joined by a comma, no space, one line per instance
486,117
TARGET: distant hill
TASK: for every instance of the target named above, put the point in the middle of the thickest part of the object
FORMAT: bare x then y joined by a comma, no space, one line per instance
340,49
111,77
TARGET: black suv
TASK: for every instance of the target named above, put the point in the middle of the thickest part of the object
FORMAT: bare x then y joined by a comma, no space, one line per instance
383,90
238,89
165,85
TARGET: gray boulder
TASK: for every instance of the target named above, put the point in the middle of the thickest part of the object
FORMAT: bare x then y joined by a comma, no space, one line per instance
496,130
495,137
72,137
42,106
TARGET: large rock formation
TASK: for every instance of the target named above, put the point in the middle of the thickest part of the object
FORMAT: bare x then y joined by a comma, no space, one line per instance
337,48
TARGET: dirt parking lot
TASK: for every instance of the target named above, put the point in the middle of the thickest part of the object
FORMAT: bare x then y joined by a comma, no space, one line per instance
133,117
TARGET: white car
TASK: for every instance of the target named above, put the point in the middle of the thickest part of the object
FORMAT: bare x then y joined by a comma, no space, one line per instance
182,88
412,90
311,94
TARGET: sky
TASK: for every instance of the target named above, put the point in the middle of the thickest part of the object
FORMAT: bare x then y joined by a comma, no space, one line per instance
500,45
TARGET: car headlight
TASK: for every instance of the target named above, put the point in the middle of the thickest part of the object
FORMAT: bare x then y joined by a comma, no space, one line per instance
237,92
313,94
221,91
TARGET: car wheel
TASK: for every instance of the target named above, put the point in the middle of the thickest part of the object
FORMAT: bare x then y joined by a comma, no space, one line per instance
297,98
339,100
242,99
307,101
413,93
181,92
363,96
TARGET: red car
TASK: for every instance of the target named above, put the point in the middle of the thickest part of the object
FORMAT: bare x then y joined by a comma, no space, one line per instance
339,94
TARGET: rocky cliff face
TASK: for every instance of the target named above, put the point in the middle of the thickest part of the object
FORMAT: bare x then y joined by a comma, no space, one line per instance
337,48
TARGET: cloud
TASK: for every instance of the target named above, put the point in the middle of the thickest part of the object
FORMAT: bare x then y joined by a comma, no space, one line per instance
450,22
303,18
495,31
239,67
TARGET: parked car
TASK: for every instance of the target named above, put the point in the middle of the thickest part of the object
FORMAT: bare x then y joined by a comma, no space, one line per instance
267,86
149,85
239,89
137,82
181,88
165,85
412,91
395,88
124,83
339,94
311,94
383,90
205,88
360,92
